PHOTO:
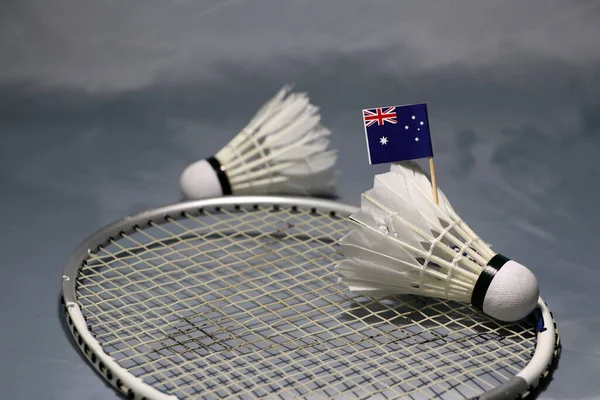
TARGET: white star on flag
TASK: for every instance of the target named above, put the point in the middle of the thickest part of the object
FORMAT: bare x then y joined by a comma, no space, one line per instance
383,140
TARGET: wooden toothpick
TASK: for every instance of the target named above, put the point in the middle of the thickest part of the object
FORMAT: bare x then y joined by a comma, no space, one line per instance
433,184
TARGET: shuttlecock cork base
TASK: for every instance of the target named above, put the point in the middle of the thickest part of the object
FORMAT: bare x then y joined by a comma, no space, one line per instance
205,178
282,150
402,242
505,290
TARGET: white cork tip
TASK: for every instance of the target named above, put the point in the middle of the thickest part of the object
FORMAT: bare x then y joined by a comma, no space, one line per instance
513,293
199,181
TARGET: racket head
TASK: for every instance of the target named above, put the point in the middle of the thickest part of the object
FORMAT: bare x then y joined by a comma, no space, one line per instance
237,298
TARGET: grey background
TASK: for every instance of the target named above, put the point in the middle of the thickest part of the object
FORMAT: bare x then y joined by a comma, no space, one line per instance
103,103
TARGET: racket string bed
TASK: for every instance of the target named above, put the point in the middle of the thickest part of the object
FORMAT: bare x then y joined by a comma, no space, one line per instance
242,302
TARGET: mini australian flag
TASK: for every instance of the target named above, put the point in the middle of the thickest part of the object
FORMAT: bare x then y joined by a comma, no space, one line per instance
397,133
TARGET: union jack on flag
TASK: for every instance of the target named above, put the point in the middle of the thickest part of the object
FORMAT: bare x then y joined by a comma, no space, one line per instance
379,116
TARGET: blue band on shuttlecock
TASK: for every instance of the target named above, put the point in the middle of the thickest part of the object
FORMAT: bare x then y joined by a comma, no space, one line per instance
220,171
484,280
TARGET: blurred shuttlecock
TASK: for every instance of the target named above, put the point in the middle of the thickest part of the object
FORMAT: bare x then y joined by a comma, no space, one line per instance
282,150
405,243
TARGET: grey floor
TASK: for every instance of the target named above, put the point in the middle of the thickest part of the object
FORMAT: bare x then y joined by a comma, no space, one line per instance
102,104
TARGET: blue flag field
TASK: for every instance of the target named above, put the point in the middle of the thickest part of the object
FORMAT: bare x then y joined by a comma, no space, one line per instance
397,133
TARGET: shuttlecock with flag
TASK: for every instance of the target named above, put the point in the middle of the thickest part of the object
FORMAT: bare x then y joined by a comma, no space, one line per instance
397,133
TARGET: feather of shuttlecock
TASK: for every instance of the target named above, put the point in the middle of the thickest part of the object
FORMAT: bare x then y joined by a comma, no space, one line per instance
402,242
282,150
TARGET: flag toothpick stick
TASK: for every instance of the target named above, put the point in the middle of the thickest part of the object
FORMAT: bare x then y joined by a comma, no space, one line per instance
433,184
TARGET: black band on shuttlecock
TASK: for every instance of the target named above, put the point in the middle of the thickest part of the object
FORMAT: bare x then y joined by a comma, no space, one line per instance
220,171
484,280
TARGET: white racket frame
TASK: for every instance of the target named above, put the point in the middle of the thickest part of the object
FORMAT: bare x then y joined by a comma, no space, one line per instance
539,367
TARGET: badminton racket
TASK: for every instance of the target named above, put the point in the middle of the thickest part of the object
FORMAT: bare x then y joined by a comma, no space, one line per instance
238,298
